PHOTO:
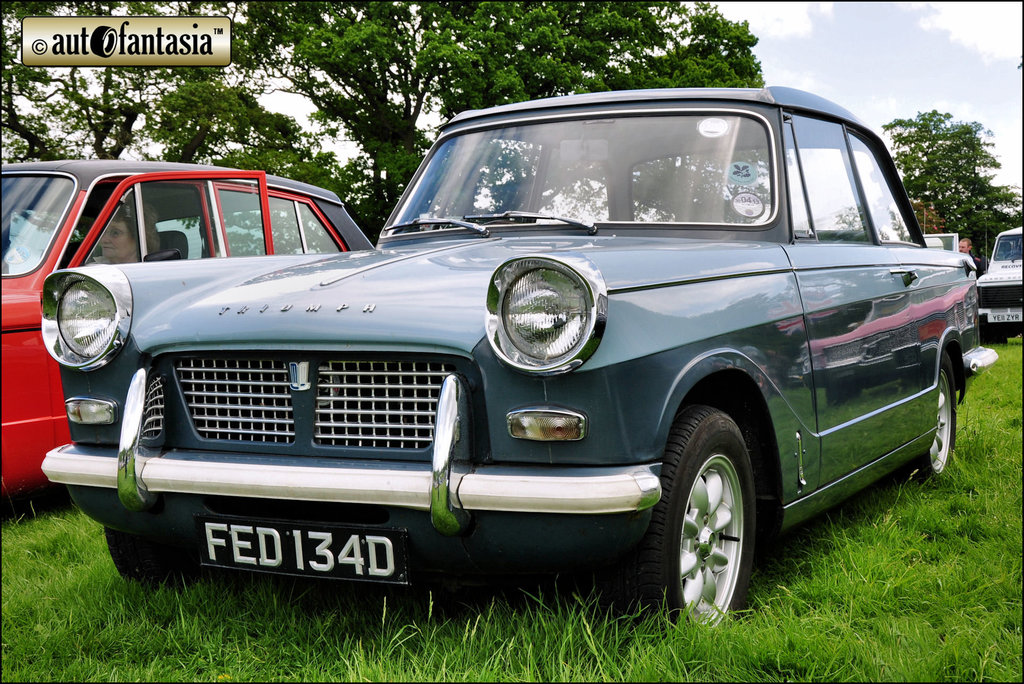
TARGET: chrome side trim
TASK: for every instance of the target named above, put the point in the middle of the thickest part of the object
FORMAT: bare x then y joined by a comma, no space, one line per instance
131,456
446,514
515,489
979,360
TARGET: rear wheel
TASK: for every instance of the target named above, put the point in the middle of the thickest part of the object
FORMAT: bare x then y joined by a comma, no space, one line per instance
934,462
697,553
149,562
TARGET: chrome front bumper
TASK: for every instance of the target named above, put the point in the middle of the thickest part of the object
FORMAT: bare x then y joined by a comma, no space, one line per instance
449,488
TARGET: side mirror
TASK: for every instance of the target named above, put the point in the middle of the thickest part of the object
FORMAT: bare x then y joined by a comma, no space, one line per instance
163,255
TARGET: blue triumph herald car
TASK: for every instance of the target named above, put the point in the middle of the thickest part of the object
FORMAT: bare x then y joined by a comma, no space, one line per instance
634,333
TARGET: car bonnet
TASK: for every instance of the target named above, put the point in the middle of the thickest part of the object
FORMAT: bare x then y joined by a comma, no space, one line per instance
431,296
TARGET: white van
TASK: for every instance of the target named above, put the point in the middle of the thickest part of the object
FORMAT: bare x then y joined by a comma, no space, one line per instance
999,290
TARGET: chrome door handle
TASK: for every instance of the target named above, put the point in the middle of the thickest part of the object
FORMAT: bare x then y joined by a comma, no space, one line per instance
907,275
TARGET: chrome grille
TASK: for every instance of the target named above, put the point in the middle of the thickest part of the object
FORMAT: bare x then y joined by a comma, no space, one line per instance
238,399
153,418
383,404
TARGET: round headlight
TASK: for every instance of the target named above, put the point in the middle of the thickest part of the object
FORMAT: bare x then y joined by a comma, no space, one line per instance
86,315
546,315
87,318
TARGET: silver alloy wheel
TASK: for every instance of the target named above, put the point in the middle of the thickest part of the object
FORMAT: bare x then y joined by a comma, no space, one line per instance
939,451
710,544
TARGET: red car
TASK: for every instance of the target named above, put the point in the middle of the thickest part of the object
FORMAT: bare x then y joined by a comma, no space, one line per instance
72,213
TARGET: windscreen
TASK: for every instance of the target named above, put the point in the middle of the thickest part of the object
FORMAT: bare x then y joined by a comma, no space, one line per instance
1008,248
695,168
33,207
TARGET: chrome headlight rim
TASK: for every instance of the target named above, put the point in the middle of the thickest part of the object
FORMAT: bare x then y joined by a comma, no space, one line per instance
108,278
591,286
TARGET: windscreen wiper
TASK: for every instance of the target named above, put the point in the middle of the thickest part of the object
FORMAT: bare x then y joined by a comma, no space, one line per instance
434,221
590,228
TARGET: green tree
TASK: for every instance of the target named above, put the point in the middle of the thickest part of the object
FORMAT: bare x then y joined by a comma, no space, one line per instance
182,114
379,72
947,167
57,113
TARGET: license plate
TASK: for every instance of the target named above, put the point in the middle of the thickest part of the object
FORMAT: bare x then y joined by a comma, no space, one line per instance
304,549
1005,317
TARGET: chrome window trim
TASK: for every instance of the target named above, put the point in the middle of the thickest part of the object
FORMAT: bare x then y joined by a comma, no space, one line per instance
220,236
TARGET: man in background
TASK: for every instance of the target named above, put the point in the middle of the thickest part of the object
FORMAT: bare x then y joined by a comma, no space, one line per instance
981,263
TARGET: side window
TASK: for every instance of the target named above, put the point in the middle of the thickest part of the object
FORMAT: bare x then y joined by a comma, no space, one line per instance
119,241
176,216
318,239
828,175
243,220
93,205
284,226
885,213
797,200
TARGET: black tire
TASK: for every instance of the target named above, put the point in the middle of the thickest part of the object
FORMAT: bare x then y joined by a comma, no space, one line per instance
713,540
937,458
149,562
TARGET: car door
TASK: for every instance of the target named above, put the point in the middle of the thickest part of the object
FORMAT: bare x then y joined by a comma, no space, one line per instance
938,292
865,357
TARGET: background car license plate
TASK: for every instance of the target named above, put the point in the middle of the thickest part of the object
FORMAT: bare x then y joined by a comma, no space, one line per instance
306,549
1005,318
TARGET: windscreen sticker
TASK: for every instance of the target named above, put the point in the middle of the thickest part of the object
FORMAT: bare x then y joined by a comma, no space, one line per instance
742,173
713,127
748,204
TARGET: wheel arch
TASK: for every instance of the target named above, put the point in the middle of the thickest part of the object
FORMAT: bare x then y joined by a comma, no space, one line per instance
733,385
950,344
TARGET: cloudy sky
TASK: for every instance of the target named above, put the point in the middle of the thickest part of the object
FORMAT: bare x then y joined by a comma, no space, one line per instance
893,60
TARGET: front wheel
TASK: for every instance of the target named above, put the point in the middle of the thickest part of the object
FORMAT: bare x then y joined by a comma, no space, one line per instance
697,553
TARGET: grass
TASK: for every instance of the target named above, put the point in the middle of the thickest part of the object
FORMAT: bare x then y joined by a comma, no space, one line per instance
908,581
